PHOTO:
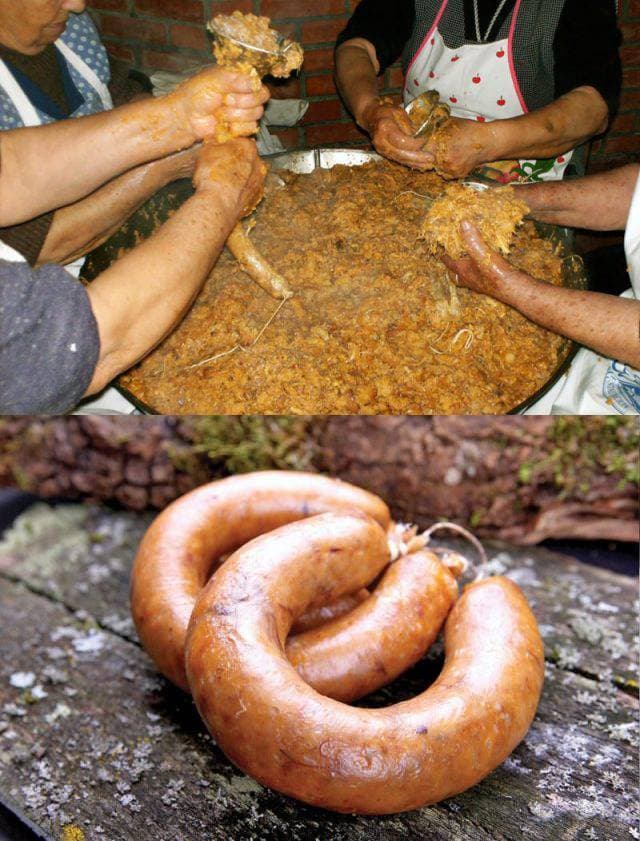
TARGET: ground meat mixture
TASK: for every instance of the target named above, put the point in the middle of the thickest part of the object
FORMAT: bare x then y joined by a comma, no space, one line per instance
238,31
496,213
375,325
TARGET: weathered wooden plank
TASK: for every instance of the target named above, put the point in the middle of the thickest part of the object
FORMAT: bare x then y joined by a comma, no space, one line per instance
114,750
83,556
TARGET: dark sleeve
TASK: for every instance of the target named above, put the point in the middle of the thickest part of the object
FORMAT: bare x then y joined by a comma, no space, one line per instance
586,49
385,24
49,341
126,83
29,237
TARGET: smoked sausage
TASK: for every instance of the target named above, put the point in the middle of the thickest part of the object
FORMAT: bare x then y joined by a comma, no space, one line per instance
179,550
277,728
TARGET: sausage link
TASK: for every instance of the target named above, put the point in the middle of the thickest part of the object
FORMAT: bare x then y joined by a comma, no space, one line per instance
255,265
317,616
277,728
351,656
180,548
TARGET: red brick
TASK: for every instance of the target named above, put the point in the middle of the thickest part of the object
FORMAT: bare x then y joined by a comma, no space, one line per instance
320,85
629,99
187,10
322,31
153,60
630,78
633,9
318,60
623,124
622,144
284,88
630,55
110,5
118,51
396,77
191,37
327,110
133,29
290,137
302,8
333,133
226,7
630,32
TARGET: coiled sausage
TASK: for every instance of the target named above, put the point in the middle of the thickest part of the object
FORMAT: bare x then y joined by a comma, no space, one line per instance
274,726
179,550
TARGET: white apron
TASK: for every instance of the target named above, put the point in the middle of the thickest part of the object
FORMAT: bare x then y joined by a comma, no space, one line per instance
30,117
595,385
478,82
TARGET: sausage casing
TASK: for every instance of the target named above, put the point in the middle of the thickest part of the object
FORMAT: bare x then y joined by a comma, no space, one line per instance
179,550
277,728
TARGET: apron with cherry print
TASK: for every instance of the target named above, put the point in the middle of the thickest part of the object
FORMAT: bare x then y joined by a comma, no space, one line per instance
479,82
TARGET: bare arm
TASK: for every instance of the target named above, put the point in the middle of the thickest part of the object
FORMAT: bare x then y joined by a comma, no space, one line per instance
599,202
389,127
141,298
605,323
558,127
52,166
82,226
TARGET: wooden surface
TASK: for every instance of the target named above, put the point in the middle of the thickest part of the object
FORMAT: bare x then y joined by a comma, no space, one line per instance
101,747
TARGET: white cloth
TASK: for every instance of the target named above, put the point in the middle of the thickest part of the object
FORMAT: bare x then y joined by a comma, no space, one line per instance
478,82
595,385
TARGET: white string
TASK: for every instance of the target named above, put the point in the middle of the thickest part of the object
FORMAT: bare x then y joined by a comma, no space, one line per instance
476,16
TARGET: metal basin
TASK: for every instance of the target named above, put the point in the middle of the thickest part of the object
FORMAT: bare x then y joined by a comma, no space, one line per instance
145,221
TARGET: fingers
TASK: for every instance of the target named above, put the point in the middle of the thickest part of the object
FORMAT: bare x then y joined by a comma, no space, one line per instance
241,115
247,100
391,142
488,262
229,81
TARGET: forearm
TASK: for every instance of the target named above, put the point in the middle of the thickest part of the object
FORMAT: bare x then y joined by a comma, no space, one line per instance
82,226
605,323
564,124
599,202
141,298
48,167
356,77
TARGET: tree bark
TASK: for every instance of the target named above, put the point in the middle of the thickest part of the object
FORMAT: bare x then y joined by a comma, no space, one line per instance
518,479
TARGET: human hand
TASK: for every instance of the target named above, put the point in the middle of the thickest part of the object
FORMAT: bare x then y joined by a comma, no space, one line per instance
484,270
392,134
220,96
459,146
233,171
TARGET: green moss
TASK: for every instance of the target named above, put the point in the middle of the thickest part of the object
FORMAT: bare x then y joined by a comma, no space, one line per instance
251,442
582,446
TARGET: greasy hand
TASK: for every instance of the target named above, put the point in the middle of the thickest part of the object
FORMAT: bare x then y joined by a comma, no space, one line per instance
392,135
460,146
219,95
484,270
233,171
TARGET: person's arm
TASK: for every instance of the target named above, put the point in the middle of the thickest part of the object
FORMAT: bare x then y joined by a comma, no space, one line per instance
51,166
599,202
605,323
388,125
142,297
77,229
462,145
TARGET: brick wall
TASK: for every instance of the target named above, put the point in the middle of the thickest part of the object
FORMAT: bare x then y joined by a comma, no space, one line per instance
167,34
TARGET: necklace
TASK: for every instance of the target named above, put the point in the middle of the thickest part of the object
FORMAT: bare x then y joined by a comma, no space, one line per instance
481,40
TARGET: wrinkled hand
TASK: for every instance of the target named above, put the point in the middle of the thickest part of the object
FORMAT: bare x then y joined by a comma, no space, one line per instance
392,135
484,270
460,146
233,171
219,95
